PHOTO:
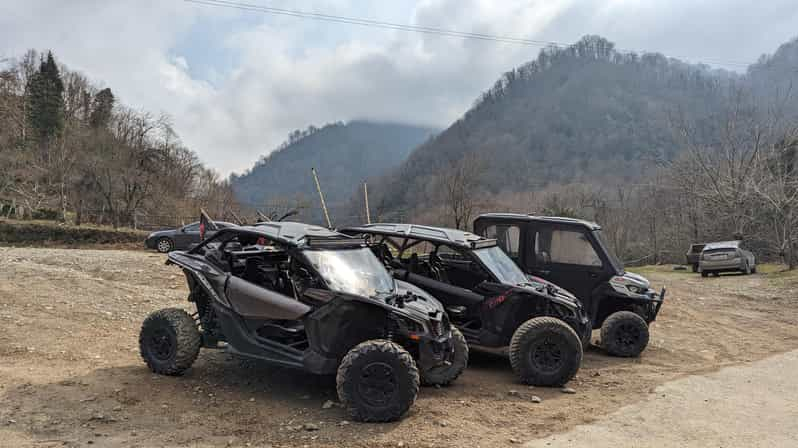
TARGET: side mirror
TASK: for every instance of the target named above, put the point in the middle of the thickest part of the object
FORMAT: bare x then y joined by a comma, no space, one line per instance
483,286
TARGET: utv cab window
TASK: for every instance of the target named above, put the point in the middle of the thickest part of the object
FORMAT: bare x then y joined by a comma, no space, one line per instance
566,247
507,236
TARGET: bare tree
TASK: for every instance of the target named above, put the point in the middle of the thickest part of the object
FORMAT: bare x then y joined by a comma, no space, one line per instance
776,185
718,173
459,186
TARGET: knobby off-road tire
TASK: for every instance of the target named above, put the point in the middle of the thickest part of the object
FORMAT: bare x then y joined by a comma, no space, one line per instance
164,245
444,375
624,334
545,351
377,381
169,341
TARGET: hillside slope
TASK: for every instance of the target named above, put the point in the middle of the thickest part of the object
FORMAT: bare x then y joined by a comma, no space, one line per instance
587,113
344,155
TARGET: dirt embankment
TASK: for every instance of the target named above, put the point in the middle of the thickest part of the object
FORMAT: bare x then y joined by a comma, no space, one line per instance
53,234
70,373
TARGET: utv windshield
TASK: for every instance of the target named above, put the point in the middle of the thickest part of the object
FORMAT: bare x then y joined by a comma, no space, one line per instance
352,271
501,265
614,261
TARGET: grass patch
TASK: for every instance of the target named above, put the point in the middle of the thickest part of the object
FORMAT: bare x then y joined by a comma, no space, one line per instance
658,269
773,268
50,233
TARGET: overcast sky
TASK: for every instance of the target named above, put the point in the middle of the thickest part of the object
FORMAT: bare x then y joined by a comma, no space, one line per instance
236,82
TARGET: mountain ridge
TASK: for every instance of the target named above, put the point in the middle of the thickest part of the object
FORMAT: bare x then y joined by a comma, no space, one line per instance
345,154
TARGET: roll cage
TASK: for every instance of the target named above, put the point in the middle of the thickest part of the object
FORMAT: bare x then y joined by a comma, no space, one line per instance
405,237
286,249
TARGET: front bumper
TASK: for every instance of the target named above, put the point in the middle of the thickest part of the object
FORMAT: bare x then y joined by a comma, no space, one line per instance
647,303
655,305
150,243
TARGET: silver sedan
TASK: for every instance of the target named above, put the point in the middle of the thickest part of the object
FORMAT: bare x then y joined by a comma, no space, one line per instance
726,256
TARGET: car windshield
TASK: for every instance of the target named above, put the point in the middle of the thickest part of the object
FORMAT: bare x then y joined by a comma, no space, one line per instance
614,261
352,271
502,266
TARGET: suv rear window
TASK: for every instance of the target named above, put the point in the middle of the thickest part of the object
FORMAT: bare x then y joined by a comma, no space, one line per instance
720,250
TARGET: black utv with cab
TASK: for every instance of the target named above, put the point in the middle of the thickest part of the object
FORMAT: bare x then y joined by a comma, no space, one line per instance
487,297
304,297
573,254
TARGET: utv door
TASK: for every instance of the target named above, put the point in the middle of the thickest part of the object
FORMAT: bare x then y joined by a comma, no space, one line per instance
458,269
567,257
449,295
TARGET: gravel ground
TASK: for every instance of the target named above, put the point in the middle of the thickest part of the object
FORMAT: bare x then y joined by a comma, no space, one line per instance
754,405
70,374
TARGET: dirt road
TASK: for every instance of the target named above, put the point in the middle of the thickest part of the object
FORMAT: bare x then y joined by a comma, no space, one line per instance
70,374
753,405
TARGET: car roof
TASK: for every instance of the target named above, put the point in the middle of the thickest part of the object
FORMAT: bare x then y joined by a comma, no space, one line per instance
290,233
538,218
723,245
222,223
445,235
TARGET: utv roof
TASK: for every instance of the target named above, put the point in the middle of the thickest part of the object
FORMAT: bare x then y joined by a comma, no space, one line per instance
452,237
549,219
291,233
723,245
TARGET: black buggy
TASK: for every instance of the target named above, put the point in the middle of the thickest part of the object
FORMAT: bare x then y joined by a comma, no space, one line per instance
491,301
304,297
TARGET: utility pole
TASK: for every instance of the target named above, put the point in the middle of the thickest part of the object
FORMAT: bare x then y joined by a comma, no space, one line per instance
366,197
321,196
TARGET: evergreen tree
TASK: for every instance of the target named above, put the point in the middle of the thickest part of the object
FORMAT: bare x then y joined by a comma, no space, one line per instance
101,109
46,100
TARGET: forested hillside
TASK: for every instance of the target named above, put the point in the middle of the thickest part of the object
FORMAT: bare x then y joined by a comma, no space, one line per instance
70,150
661,152
345,154
582,114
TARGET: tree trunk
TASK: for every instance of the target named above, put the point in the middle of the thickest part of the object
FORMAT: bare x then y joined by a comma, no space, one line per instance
79,213
63,202
790,246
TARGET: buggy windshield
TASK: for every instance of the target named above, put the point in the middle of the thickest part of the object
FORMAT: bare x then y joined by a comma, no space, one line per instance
502,266
352,271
